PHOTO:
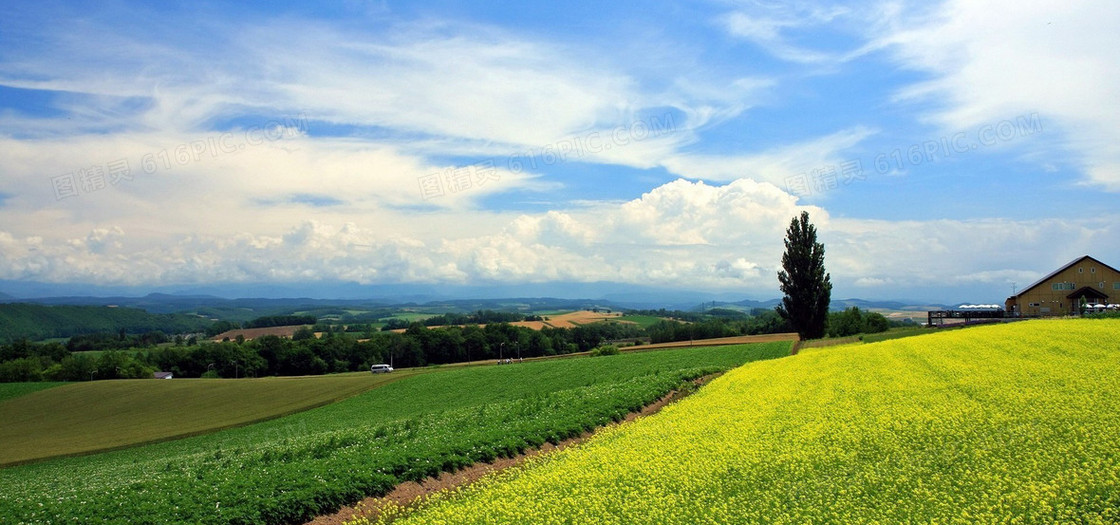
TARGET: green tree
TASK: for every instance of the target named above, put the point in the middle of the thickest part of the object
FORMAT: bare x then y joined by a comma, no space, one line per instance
874,322
303,334
843,324
75,367
24,369
804,281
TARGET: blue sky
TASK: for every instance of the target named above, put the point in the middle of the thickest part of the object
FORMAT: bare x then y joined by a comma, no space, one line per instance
944,150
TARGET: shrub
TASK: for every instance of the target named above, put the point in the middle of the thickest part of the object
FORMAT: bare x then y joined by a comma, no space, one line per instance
604,350
27,369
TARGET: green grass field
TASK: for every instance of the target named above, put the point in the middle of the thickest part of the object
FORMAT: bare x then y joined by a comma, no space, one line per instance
896,333
101,415
644,321
11,390
289,469
1013,423
409,316
893,333
551,312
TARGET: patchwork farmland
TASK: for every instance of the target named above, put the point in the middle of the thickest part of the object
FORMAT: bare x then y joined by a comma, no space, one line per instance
778,438
1013,423
569,320
290,469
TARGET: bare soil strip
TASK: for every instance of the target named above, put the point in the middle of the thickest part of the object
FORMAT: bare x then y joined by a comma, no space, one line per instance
253,333
411,492
738,340
568,320
721,341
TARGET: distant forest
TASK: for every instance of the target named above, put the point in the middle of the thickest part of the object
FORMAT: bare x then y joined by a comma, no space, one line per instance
36,322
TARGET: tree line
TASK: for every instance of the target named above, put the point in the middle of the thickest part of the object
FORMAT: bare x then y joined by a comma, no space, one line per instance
453,319
764,322
122,356
334,352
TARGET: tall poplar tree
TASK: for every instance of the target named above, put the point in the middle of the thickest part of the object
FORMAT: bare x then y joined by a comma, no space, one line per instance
806,285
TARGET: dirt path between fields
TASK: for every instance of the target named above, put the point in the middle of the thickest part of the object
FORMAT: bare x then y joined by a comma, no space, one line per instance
408,493
736,340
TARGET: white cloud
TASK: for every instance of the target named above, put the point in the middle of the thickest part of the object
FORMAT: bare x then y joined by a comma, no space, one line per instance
451,85
312,204
996,60
694,213
767,25
682,234
454,82
775,166
979,255
234,185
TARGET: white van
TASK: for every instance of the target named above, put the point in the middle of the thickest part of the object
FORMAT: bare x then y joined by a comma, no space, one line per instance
380,369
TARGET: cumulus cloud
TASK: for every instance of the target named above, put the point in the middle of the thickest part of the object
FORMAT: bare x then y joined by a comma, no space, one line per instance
691,213
682,234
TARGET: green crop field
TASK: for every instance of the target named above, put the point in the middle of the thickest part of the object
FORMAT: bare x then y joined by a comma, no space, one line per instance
644,321
10,390
896,333
410,316
101,415
1016,423
290,469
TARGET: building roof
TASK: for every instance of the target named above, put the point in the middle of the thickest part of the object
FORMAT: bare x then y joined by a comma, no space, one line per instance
1060,270
162,375
1087,291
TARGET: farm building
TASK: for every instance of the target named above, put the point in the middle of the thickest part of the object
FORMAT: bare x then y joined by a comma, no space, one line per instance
1061,292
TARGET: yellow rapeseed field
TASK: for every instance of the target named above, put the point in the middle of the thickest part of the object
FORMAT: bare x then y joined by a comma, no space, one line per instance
1016,423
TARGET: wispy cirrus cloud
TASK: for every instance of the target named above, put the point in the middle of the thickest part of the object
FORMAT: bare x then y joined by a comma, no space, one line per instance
995,59
774,27
776,165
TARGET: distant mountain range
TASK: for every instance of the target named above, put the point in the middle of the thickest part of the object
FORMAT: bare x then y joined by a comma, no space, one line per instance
613,296
183,312
323,293
837,304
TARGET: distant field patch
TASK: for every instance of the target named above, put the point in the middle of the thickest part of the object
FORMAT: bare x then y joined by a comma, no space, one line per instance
101,415
253,333
550,312
11,390
719,341
410,316
573,319
644,321
564,320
